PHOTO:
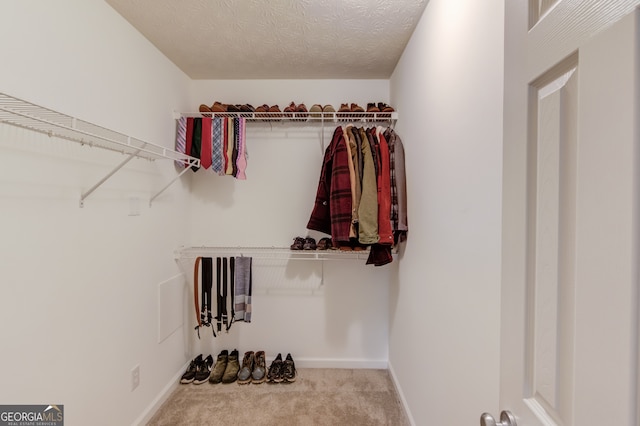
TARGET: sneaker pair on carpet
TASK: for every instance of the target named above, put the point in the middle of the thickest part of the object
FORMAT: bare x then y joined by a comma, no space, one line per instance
282,371
228,370
198,371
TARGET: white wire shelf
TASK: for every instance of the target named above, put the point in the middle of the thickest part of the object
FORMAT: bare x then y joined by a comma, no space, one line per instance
301,117
18,112
275,253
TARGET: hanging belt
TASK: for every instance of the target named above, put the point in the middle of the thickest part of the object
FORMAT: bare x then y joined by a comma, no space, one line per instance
195,294
203,315
221,293
232,264
207,287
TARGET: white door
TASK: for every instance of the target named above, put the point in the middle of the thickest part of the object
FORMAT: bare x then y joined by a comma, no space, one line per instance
569,338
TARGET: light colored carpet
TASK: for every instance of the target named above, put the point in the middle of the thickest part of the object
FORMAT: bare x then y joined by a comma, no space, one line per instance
319,397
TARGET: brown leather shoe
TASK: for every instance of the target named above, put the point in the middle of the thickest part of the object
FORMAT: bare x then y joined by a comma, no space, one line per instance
218,107
288,111
343,112
261,110
205,108
302,113
357,109
276,114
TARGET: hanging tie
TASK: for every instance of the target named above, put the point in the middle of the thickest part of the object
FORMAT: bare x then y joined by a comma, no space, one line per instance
217,158
196,141
188,138
206,149
181,139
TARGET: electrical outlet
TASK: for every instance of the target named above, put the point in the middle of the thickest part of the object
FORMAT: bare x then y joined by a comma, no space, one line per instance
135,377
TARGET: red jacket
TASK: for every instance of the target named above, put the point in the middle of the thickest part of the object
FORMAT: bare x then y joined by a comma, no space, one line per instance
331,212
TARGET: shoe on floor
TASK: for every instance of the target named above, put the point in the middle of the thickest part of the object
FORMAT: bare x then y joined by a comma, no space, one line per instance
244,375
190,374
259,373
275,370
289,373
221,365
231,372
203,372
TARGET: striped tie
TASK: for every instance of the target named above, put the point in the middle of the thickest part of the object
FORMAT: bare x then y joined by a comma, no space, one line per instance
217,145
242,152
181,139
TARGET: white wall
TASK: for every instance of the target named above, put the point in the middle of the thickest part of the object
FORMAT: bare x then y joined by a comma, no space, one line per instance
341,322
444,331
78,300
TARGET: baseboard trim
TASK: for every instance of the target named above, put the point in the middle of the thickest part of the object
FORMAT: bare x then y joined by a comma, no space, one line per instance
403,400
341,363
148,413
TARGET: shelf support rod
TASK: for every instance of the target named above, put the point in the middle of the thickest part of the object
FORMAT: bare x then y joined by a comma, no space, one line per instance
322,135
104,179
194,162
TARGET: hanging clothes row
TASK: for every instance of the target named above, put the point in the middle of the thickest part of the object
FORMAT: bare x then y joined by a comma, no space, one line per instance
232,292
361,197
219,143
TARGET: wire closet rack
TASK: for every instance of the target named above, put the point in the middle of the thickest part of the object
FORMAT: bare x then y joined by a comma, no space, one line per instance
18,112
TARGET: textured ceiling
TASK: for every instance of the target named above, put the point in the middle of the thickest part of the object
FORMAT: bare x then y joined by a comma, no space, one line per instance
277,39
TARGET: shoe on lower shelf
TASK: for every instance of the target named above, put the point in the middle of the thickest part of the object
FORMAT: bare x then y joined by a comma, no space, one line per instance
298,243
309,244
324,244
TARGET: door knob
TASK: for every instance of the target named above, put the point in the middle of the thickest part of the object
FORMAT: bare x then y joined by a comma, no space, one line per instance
506,419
